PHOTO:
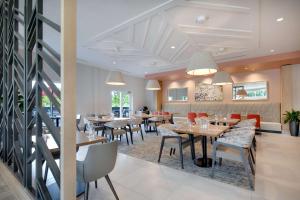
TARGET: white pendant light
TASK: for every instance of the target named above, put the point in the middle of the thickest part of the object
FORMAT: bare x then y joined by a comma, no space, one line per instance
242,93
115,78
153,85
201,63
222,78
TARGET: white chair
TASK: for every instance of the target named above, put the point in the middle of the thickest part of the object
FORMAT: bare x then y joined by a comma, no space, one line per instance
154,122
117,128
135,125
235,146
99,162
174,140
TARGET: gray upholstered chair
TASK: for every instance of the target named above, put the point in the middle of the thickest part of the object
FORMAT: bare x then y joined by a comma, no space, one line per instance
99,162
154,122
174,140
135,125
235,145
116,128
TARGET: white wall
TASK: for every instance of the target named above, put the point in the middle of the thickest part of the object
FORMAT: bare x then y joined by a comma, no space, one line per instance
94,96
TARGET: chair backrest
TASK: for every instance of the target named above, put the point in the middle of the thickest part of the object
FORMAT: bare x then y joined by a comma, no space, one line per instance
100,160
166,132
155,113
247,123
117,124
235,116
202,114
255,116
165,113
135,121
192,116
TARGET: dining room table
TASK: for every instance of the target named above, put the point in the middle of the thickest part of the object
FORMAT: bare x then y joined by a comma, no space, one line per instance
146,118
193,131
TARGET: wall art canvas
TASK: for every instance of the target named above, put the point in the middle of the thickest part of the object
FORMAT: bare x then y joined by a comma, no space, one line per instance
207,92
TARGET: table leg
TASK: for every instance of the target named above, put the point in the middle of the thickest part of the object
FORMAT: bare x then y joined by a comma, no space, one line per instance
204,161
192,139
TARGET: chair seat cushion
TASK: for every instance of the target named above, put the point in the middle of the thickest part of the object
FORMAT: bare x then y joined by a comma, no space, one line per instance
230,153
135,129
244,140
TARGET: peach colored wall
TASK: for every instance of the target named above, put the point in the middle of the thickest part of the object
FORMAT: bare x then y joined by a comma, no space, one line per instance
271,76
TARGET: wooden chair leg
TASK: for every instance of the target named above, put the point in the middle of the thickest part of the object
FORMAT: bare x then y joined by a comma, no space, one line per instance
161,148
86,193
214,157
111,187
131,135
171,151
181,151
246,168
127,138
142,133
220,161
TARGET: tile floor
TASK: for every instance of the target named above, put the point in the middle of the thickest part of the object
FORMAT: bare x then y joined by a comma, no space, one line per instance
277,177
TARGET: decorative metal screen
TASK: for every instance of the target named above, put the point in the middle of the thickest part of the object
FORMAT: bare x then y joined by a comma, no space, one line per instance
25,62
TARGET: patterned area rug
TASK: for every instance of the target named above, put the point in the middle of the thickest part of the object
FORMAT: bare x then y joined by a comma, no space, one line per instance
230,172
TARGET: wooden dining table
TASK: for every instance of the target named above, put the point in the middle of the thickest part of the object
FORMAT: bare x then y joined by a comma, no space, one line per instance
193,131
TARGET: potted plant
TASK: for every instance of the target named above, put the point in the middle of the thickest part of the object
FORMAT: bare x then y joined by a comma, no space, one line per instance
292,118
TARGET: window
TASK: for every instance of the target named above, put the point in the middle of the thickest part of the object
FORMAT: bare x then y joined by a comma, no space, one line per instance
177,94
121,103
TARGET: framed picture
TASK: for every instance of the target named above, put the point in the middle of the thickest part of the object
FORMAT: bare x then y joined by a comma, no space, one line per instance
207,92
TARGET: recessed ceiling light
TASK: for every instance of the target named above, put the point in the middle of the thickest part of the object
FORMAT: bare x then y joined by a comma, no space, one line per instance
201,19
114,62
280,19
272,50
146,72
172,47
221,49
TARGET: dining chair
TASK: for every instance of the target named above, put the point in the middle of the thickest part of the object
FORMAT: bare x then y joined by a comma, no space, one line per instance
257,118
191,116
116,128
202,114
174,140
235,116
135,125
235,146
154,122
99,162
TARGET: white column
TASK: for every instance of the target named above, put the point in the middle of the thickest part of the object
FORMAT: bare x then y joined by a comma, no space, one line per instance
68,106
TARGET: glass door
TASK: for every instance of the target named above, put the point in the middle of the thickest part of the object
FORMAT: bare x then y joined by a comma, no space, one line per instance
121,103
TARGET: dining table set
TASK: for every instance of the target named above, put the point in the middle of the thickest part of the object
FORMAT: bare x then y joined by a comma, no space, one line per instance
207,127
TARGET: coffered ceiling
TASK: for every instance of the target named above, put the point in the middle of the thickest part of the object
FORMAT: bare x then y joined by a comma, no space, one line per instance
143,37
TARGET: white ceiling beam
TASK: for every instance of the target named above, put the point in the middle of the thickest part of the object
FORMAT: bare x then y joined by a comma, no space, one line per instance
179,50
133,20
216,6
146,32
219,46
164,40
213,35
163,26
213,28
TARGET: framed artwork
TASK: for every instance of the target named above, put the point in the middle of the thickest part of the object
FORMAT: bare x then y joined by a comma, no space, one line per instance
207,92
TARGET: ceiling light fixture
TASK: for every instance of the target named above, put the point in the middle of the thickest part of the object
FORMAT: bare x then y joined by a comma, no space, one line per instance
272,50
222,78
201,19
280,19
201,63
153,85
172,47
115,78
